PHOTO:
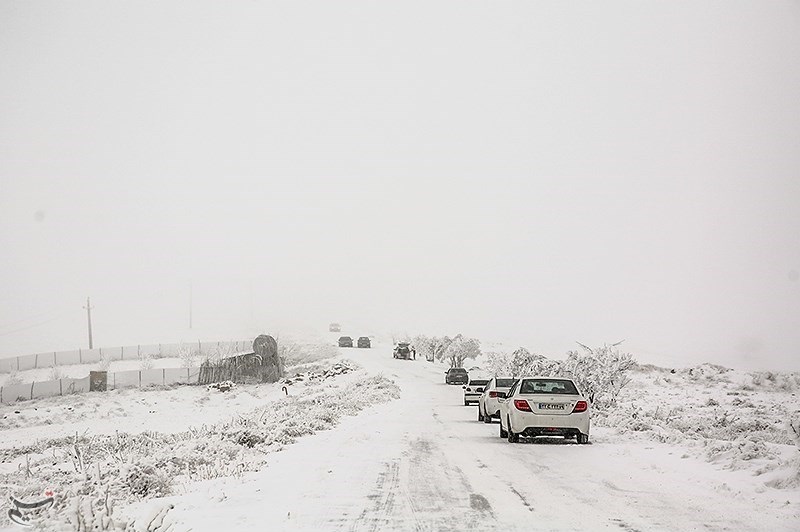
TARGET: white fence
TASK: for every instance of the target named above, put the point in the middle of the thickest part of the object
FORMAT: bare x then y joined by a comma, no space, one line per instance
131,352
117,380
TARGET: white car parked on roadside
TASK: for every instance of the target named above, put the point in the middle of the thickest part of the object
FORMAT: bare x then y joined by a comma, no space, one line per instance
488,404
544,406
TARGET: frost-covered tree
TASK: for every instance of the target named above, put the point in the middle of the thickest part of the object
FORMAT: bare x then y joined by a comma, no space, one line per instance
460,349
439,346
600,373
424,346
521,362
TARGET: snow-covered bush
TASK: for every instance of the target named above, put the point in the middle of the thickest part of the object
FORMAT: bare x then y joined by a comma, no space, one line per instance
56,373
13,378
794,428
460,349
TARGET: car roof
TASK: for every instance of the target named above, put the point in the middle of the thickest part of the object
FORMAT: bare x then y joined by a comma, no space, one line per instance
546,377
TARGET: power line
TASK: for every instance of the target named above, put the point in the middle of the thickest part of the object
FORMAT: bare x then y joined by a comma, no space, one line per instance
34,325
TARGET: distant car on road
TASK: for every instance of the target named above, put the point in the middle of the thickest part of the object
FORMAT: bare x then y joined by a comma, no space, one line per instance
334,327
473,390
544,406
363,341
345,341
405,351
456,376
488,404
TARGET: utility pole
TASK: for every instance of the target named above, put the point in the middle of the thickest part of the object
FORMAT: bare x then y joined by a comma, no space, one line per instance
88,308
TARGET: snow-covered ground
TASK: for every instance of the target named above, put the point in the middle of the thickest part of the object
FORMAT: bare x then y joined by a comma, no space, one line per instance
706,450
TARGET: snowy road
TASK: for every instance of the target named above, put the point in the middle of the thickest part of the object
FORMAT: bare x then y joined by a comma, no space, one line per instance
423,462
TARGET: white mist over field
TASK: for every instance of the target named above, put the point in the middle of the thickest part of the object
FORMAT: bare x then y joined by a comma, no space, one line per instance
531,173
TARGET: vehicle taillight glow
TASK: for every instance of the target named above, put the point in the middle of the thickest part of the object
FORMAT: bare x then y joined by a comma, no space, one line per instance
492,394
522,404
580,406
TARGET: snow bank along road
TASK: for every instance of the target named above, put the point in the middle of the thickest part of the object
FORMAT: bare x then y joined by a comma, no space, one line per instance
423,462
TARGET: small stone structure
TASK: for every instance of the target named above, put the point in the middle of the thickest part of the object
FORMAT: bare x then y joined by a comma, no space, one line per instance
261,365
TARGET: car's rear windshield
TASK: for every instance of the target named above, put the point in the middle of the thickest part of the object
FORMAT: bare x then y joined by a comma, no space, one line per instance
548,386
460,371
363,338
479,382
345,338
505,383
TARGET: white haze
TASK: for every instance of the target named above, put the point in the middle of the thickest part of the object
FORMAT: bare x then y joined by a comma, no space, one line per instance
534,172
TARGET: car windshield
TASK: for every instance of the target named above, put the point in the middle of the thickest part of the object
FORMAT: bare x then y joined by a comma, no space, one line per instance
458,371
548,386
504,383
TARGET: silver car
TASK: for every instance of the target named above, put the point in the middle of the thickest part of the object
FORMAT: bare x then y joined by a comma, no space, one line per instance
488,405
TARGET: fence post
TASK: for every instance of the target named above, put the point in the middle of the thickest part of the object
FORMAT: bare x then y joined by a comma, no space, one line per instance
60,386
80,356
140,378
122,353
199,347
32,385
36,361
55,359
163,376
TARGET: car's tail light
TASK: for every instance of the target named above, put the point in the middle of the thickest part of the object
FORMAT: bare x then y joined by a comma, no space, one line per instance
522,404
580,406
492,394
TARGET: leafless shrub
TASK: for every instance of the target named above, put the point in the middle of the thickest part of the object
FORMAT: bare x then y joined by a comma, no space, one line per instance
146,362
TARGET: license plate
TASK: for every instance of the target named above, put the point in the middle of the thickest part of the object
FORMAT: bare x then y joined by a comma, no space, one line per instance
550,406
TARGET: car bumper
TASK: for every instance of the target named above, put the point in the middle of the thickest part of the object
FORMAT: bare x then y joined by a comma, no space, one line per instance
529,424
471,398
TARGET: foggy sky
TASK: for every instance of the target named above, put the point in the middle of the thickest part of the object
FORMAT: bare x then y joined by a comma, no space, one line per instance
536,172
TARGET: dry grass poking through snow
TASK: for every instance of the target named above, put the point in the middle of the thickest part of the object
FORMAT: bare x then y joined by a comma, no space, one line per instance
91,473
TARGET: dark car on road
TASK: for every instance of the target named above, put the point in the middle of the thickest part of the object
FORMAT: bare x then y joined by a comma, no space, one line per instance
456,376
345,341
363,341
334,327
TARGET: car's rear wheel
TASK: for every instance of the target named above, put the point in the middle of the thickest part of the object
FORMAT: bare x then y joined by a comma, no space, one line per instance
512,437
487,418
466,403
480,413
583,438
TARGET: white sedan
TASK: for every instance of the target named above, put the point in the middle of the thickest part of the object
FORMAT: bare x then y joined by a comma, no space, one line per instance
488,404
544,406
